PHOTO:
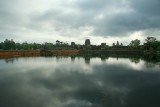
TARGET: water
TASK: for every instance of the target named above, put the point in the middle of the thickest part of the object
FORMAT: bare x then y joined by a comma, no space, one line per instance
79,82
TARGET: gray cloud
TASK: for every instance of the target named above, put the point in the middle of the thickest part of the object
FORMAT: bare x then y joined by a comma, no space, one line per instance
64,18
144,15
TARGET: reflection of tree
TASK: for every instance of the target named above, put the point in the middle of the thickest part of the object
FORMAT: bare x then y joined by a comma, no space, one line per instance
73,58
103,58
87,59
135,60
10,60
135,44
152,59
149,65
58,58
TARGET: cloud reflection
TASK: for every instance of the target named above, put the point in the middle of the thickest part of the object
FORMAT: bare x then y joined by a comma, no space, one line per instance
49,83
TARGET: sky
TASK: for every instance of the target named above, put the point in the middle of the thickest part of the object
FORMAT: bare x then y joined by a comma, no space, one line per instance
76,20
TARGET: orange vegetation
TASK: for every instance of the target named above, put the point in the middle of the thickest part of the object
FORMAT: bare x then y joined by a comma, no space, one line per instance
7,54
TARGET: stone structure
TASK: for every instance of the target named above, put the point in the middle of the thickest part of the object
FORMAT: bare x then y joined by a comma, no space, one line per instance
73,44
87,42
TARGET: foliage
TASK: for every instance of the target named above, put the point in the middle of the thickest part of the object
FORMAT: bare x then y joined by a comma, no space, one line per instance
104,46
135,60
11,45
48,46
151,42
135,44
152,48
8,44
1,45
150,39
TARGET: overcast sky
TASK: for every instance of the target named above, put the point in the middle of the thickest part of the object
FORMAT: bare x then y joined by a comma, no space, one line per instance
76,20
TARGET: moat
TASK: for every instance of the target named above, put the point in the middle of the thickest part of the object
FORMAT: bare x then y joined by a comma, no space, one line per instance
79,81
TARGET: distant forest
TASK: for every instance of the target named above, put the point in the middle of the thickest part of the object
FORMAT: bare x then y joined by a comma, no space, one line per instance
151,44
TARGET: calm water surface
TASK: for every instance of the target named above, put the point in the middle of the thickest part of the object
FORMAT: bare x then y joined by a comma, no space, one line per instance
78,82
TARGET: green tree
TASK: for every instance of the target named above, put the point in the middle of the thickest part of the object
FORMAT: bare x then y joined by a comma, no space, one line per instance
9,44
150,39
36,46
48,45
18,46
6,44
135,44
13,44
57,42
151,42
1,45
25,46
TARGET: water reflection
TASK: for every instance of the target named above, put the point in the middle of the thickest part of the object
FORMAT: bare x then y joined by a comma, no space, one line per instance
87,60
78,82
73,58
10,60
135,60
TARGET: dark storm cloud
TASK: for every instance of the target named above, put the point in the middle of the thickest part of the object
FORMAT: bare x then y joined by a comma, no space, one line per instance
138,15
93,5
130,22
147,7
144,15
132,16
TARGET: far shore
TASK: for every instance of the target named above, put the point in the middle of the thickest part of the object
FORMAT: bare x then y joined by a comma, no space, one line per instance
18,53
30,53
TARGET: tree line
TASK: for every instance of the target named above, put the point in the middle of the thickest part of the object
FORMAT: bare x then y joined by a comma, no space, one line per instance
12,45
150,44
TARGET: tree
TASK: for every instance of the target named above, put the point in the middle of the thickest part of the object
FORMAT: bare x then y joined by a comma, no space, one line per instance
8,44
1,45
150,39
135,44
61,42
13,44
48,45
57,42
151,42
25,46
18,46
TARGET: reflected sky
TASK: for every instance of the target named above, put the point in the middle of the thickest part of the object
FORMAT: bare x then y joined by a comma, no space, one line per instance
78,82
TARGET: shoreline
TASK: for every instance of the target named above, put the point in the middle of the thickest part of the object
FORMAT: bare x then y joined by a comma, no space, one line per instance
29,53
18,53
